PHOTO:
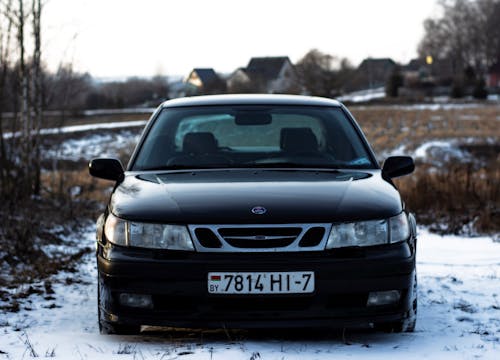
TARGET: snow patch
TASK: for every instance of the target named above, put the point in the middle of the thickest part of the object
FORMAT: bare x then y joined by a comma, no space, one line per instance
94,145
84,128
426,106
363,95
439,151
119,111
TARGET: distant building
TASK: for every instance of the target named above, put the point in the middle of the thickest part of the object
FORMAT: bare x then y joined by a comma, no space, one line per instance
373,73
240,82
415,71
264,75
204,81
439,73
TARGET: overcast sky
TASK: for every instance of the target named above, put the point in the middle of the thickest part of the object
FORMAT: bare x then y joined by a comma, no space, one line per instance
115,38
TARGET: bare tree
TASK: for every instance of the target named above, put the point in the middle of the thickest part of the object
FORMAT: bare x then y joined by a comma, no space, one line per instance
132,92
322,74
21,156
65,90
490,20
37,94
467,33
315,71
5,44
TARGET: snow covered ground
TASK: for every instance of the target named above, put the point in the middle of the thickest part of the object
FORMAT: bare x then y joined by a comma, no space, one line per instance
459,318
363,95
438,152
435,103
94,144
84,128
433,152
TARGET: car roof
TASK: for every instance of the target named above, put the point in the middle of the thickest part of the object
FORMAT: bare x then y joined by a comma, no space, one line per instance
255,99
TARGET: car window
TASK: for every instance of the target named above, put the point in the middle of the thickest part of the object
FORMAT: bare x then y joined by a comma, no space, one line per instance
249,137
252,136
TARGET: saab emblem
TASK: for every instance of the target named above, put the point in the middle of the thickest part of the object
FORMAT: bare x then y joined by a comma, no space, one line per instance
259,210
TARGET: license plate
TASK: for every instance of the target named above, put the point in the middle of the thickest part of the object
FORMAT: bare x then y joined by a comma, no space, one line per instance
296,282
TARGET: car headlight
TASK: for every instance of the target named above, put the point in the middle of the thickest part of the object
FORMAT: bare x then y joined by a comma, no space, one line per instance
399,228
369,233
154,236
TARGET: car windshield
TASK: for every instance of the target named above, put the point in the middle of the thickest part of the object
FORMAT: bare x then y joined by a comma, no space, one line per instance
252,136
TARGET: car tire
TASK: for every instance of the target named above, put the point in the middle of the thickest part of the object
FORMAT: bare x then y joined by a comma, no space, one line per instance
408,324
109,328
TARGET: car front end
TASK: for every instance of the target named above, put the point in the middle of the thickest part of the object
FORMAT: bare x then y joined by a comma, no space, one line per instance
251,212
348,286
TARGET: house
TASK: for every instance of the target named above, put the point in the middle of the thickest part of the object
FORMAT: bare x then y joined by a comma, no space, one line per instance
372,73
415,71
264,75
440,72
239,82
376,71
204,81
493,76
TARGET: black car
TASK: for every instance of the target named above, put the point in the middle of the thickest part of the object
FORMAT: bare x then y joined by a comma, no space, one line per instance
255,211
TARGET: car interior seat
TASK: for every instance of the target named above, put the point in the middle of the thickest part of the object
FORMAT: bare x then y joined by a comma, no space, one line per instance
298,140
199,143
199,149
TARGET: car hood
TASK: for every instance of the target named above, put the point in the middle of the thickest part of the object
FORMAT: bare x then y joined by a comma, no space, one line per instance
228,196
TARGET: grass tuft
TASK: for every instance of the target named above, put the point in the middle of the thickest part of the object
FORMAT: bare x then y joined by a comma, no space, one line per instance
458,199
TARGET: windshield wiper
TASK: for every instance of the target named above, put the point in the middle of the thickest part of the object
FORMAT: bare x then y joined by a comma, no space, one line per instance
289,165
174,167
260,165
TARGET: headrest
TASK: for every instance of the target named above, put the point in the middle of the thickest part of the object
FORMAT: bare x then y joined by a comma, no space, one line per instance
199,143
298,140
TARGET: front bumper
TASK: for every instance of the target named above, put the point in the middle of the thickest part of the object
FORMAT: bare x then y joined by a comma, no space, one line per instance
177,282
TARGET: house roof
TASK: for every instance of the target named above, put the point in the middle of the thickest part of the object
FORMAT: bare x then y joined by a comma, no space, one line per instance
415,65
380,62
207,75
267,68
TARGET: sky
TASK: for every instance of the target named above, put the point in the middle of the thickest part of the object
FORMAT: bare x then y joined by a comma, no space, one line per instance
120,38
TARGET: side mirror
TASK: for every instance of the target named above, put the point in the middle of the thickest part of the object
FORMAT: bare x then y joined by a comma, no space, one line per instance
395,166
109,169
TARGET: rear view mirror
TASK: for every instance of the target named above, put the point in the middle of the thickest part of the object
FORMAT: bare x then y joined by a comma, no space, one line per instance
395,166
108,169
253,118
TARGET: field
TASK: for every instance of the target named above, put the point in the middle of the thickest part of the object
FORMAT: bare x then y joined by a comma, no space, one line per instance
457,152
407,127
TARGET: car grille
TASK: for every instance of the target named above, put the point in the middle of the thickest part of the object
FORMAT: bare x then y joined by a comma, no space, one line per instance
259,238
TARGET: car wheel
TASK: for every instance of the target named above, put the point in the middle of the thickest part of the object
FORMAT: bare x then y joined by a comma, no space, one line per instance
407,324
108,328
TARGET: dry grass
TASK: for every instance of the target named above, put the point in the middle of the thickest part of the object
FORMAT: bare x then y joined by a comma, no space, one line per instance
459,199
67,203
454,197
387,127
81,194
